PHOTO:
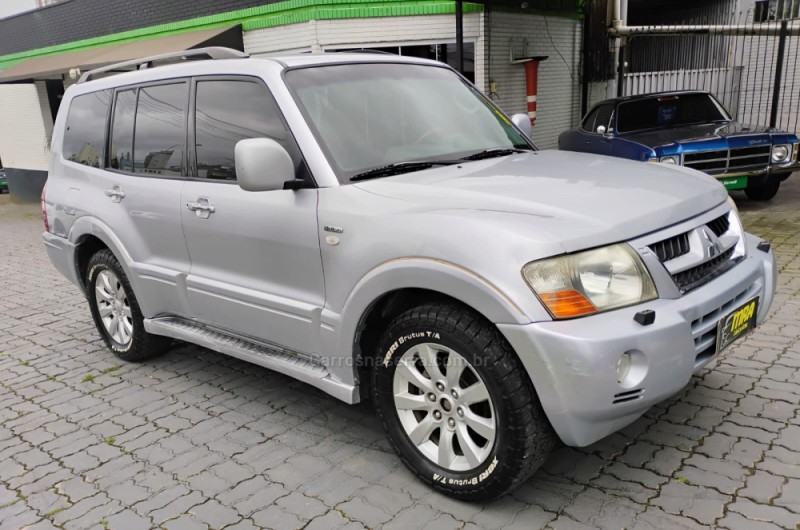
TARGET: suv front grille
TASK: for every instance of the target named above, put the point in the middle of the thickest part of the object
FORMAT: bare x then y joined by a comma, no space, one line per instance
697,256
719,225
727,160
671,248
703,273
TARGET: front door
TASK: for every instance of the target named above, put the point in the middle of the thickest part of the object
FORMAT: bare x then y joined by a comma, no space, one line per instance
255,268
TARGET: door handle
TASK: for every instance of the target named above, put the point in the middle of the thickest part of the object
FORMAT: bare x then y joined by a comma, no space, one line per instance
115,193
202,207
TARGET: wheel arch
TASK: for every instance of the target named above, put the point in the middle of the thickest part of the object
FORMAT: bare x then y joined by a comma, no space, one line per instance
391,289
90,235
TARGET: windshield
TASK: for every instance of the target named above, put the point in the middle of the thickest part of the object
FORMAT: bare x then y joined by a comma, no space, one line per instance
669,111
368,116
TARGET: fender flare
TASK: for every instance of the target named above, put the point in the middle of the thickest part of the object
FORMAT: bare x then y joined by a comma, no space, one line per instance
435,275
91,226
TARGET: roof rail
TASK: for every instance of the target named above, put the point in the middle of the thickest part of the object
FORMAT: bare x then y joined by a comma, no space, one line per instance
213,52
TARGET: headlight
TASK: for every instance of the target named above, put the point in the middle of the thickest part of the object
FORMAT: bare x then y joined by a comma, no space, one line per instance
669,160
780,153
591,281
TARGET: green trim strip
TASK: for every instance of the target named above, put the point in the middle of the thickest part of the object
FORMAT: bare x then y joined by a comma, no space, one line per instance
266,16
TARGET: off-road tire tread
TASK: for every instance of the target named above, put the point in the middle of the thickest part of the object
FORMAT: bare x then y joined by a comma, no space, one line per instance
145,345
532,437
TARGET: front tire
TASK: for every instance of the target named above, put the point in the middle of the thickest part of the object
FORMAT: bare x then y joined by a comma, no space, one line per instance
116,312
764,192
457,404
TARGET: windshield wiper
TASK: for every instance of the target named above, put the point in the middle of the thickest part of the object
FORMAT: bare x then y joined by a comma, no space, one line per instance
401,167
494,152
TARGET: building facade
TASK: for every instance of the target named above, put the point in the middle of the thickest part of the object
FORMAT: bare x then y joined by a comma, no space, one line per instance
50,45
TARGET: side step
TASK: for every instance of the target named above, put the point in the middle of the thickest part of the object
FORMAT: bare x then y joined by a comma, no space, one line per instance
292,364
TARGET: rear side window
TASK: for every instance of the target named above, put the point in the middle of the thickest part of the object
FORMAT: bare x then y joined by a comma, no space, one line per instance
229,111
121,155
84,137
160,138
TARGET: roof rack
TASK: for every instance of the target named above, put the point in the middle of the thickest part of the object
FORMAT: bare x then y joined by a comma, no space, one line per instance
213,52
367,50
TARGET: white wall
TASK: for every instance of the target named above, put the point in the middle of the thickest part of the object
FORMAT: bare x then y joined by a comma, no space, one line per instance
559,83
317,35
28,126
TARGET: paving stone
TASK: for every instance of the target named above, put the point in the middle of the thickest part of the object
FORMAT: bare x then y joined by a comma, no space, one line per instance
215,514
129,520
735,521
701,504
762,487
763,512
274,517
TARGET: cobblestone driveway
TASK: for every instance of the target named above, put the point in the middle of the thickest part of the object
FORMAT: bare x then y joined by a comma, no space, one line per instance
194,439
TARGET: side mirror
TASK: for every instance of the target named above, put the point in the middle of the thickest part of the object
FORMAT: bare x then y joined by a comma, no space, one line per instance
523,123
601,129
262,164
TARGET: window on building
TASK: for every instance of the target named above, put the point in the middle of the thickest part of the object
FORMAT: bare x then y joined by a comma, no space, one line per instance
444,52
161,130
766,10
121,155
229,111
84,137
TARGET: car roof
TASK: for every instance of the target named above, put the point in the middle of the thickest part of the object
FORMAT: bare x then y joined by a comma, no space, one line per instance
640,97
243,65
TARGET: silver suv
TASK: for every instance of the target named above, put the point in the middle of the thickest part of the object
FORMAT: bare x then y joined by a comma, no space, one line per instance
375,227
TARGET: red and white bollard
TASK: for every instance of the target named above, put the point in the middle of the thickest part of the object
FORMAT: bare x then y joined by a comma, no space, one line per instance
531,82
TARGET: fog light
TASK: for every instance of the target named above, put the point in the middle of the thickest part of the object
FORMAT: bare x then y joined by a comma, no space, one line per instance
623,367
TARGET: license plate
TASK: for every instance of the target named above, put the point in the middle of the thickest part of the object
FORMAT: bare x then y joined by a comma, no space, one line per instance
734,183
737,324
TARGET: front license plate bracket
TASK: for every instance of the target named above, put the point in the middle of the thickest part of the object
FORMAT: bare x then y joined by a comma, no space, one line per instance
737,324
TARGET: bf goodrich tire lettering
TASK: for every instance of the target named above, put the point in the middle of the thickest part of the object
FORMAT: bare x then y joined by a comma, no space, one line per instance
456,404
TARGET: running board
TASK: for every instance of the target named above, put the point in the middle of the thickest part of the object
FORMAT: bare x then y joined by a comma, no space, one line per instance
294,365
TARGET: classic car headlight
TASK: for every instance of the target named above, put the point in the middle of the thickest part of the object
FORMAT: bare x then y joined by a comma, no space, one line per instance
591,281
669,160
780,153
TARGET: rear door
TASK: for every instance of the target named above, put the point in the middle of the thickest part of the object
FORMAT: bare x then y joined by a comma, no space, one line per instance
141,190
256,268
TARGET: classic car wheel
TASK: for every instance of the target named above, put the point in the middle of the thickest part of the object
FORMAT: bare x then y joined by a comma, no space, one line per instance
116,312
763,193
457,404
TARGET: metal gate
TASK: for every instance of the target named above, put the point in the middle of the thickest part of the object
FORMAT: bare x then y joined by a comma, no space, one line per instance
753,68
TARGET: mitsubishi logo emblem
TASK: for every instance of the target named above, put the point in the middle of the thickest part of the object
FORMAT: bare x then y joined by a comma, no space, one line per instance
710,243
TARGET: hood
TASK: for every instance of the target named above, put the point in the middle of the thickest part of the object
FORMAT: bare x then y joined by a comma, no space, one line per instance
578,200
696,133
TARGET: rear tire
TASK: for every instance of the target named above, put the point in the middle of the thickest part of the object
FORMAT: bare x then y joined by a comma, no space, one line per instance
764,192
116,312
457,404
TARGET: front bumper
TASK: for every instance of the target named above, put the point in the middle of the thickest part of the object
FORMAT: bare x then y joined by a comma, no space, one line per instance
573,363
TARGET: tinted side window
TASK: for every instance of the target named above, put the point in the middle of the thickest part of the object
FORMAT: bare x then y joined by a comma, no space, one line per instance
85,134
588,123
229,111
160,130
603,116
121,155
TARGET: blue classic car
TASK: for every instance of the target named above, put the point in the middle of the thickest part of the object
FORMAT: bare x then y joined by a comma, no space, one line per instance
693,129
